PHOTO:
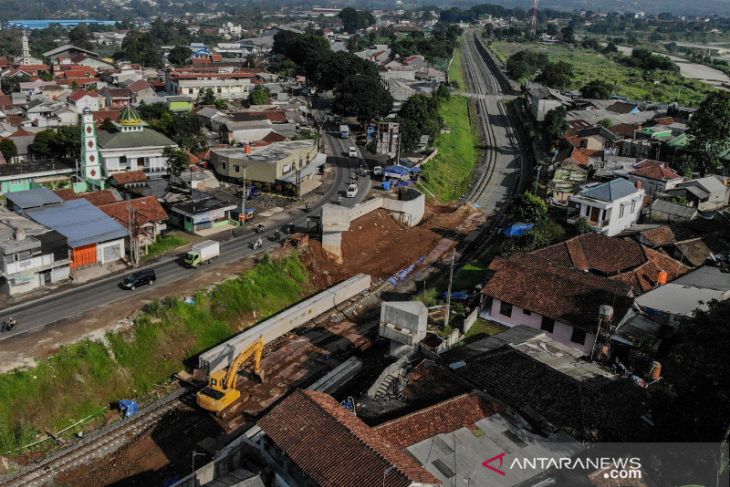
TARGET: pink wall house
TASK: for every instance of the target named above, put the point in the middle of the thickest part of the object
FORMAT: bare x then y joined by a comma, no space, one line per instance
565,334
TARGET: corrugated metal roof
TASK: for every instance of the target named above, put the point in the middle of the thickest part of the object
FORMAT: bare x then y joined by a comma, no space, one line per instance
33,198
80,222
610,191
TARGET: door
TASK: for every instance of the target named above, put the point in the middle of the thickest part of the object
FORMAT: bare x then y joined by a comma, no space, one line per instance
595,213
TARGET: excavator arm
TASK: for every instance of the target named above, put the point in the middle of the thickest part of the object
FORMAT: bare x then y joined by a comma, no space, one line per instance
256,349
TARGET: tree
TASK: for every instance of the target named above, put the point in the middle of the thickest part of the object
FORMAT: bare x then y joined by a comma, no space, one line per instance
418,116
354,20
62,142
710,131
140,47
597,89
568,34
206,97
79,37
107,125
177,160
697,379
179,55
8,149
555,123
220,104
363,97
259,96
524,64
11,84
556,75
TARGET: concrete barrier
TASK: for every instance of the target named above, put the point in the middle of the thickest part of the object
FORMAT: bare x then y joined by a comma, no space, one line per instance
220,356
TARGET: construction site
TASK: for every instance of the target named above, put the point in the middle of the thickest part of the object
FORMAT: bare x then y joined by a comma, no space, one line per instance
316,343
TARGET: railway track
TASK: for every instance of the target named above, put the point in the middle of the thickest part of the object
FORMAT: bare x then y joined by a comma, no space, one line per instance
101,443
487,88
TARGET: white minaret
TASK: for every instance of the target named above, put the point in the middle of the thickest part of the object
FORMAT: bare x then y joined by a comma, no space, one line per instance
26,49
90,157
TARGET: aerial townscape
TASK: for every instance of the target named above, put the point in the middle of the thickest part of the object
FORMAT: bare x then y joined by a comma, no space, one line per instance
389,243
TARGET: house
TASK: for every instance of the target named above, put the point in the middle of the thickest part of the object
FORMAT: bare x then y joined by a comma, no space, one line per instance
677,301
528,290
663,211
132,146
310,439
654,176
22,201
93,237
287,163
225,85
144,216
247,132
201,213
81,99
116,97
128,180
140,89
543,99
28,175
566,178
608,208
706,194
32,255
624,260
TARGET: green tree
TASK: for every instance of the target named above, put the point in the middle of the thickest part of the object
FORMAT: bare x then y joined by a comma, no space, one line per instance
568,34
597,89
62,142
179,55
364,97
710,131
556,75
524,64
140,47
206,97
11,84
220,104
177,160
555,123
418,116
8,149
79,37
259,96
353,20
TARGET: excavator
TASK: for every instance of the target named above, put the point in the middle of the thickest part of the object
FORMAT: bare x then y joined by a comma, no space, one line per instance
221,392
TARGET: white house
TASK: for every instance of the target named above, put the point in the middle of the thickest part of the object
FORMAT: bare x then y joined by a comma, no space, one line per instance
86,99
543,99
608,208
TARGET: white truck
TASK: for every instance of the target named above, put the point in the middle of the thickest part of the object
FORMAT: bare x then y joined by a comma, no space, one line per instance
202,253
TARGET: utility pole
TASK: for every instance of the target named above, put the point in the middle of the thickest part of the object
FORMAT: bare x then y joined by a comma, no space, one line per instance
533,19
448,293
243,197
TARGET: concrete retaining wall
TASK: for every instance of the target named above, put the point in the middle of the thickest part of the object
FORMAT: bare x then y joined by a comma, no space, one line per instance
276,326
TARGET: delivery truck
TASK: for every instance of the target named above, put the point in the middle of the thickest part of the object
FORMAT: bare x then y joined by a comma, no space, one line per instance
202,253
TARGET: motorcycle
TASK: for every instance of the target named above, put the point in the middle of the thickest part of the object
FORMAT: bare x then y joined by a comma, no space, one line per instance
277,236
257,244
7,324
260,228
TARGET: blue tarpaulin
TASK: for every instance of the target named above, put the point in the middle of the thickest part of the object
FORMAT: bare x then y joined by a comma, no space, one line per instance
395,172
386,185
128,407
416,170
518,229
458,295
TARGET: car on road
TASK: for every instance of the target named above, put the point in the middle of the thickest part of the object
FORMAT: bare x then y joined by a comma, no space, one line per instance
351,191
352,152
139,278
378,171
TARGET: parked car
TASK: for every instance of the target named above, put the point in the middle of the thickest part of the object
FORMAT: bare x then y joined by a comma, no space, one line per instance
378,171
352,152
139,278
351,191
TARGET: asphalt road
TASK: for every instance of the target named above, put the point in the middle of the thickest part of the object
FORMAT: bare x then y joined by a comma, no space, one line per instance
35,314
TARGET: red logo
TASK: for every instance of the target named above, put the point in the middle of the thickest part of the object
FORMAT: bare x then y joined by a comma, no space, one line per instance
500,457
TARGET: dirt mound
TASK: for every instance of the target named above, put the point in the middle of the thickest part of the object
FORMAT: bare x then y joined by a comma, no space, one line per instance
378,245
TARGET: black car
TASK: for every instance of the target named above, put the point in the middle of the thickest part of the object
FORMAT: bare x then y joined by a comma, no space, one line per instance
133,281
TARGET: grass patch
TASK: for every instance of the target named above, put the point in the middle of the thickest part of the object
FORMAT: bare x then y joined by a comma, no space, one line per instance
164,244
484,327
447,175
658,86
456,70
84,378
469,275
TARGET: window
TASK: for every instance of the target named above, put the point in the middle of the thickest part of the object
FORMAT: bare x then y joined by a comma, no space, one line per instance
621,211
527,312
505,309
237,168
633,206
578,336
547,324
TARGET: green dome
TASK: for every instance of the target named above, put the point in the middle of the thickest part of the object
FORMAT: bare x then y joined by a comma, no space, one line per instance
130,117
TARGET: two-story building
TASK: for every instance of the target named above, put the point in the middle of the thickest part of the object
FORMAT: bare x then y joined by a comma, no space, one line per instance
654,176
562,302
608,208
86,99
32,255
225,85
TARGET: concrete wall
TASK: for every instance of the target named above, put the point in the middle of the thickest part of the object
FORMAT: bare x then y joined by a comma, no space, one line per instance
276,326
408,209
411,315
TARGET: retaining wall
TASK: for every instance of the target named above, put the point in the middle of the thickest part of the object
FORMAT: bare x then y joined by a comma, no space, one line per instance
276,326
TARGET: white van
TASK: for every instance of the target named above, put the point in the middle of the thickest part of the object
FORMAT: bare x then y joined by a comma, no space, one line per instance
351,191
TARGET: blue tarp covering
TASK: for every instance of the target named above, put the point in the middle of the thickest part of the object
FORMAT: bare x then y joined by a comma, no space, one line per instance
128,407
416,170
386,185
399,170
518,229
458,295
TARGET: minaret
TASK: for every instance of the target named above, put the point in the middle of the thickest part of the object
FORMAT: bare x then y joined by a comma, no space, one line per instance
26,49
90,158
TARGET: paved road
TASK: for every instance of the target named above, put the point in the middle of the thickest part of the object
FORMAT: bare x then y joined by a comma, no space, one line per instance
35,314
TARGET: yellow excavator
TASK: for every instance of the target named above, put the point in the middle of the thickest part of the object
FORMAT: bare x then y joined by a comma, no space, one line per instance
221,391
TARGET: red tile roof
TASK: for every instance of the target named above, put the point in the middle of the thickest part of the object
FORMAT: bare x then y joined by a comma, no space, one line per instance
555,291
459,412
666,235
129,177
77,95
646,277
624,129
110,113
137,86
6,101
21,132
595,252
657,172
335,448
146,210
96,198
